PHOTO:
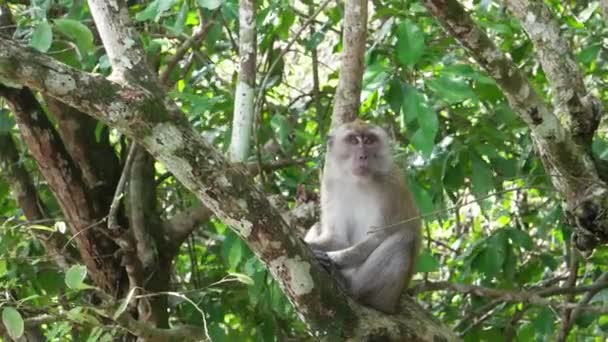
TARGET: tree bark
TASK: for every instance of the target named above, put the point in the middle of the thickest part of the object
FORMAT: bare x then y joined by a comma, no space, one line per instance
348,92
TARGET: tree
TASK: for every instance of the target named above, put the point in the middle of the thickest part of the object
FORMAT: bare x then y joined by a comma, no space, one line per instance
472,164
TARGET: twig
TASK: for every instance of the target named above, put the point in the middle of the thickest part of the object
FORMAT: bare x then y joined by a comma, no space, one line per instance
602,283
571,282
200,32
509,332
118,194
455,207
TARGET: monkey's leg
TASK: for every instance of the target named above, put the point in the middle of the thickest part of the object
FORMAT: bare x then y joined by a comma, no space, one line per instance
380,280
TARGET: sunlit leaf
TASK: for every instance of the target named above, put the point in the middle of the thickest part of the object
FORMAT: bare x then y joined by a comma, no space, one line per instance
154,10
209,4
74,277
426,262
13,322
180,20
42,38
77,32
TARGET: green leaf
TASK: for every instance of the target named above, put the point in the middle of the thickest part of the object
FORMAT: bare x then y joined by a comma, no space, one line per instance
589,54
394,95
74,277
451,89
154,10
543,323
42,38
426,262
209,4
3,268
281,128
6,122
423,199
491,256
415,109
232,250
482,177
78,33
453,174
410,43
13,322
180,20
520,238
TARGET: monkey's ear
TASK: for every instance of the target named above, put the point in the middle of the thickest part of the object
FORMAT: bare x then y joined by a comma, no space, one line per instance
330,140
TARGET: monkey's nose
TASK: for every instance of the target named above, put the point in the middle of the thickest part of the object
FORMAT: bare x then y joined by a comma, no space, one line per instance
364,157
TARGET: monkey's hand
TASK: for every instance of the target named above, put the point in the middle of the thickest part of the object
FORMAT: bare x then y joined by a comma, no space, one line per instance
330,266
324,260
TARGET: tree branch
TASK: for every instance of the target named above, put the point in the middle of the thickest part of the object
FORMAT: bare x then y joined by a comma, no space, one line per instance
579,111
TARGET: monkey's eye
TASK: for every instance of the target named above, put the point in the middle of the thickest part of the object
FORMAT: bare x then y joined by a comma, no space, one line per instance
352,139
370,139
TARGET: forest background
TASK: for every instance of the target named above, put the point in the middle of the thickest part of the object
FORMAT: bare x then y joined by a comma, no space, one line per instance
160,160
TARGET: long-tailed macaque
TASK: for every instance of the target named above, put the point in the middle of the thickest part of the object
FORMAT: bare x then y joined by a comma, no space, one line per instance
370,228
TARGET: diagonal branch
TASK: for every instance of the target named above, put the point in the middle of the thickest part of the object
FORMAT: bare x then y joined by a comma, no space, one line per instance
578,110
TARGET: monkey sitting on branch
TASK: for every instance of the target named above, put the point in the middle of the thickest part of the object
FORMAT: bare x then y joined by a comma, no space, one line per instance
369,234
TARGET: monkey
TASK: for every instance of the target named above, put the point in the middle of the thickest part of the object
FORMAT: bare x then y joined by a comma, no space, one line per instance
369,232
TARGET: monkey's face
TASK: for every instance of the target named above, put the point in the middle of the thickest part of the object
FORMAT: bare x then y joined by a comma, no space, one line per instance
360,149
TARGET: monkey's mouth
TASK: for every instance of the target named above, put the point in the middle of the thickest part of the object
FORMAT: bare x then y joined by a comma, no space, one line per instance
362,171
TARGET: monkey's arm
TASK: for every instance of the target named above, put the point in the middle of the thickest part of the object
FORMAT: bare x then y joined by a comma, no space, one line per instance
320,239
359,252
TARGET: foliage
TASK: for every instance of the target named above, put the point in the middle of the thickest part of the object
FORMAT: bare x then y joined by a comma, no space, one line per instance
491,217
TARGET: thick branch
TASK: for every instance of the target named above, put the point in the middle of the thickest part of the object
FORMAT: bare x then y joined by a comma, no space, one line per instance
24,190
578,111
179,227
66,182
96,159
